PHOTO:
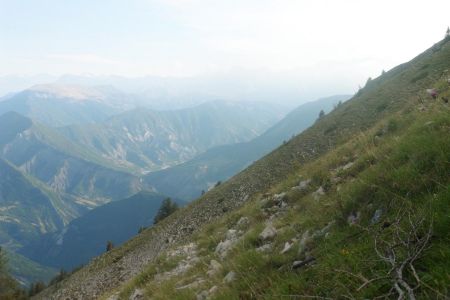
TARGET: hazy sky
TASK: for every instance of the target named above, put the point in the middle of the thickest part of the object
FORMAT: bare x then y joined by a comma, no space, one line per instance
186,37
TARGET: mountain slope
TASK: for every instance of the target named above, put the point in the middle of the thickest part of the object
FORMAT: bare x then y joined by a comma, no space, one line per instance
368,219
26,271
25,210
188,180
86,236
392,95
143,139
65,167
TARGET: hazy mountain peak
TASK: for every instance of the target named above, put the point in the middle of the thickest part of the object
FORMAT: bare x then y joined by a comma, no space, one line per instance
72,92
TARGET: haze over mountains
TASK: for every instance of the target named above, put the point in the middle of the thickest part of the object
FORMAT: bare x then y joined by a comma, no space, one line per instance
67,150
190,179
287,88
59,105
147,140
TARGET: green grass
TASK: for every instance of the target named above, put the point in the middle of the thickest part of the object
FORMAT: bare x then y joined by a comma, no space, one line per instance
396,136
401,164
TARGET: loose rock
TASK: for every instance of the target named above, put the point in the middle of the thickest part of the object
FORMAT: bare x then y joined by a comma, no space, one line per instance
137,294
264,248
243,221
304,243
268,233
214,268
213,290
230,277
203,295
319,193
303,185
192,285
114,297
302,263
287,247
348,166
353,218
232,234
376,216
223,248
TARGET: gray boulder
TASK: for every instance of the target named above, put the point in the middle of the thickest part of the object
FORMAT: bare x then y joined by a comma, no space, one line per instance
214,268
303,185
318,193
230,277
137,294
268,233
376,216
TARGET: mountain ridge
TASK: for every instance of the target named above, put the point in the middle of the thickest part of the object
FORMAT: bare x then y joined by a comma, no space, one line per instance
143,139
189,179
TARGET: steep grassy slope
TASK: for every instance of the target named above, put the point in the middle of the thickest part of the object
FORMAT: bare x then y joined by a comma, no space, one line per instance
188,180
416,151
86,236
385,190
143,140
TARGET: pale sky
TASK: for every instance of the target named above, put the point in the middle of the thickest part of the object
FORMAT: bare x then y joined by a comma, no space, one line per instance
191,37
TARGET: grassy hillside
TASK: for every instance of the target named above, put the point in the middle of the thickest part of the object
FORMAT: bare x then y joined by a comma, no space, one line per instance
376,162
385,190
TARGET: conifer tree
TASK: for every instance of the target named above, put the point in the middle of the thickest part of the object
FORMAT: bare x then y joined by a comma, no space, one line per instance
321,114
167,208
109,246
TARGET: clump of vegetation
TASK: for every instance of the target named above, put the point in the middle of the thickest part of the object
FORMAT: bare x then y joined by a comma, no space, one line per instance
109,246
36,288
321,114
419,76
167,208
9,288
60,277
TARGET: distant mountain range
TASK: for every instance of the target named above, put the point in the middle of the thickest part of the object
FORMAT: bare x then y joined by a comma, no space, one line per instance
59,105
